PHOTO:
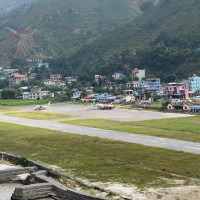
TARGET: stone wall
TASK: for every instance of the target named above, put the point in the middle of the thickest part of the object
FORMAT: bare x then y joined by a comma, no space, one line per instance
9,175
60,190
31,192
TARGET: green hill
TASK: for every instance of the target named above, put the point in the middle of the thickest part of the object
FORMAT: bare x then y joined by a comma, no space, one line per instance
48,27
163,40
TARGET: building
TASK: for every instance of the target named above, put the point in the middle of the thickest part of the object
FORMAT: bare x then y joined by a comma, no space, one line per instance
43,64
16,79
118,76
76,96
194,83
55,77
71,79
153,82
129,95
37,93
97,78
55,83
176,90
138,73
55,80
10,71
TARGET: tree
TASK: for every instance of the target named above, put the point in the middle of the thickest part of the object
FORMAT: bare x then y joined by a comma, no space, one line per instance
8,94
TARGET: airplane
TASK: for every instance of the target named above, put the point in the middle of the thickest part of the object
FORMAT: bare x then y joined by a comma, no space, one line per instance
105,106
41,107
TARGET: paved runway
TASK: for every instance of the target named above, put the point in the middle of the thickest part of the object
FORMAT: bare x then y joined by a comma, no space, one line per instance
191,147
116,114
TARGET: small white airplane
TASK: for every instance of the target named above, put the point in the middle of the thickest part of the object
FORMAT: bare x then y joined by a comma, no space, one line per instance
41,107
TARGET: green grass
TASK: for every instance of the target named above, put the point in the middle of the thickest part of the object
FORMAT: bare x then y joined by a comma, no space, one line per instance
22,102
39,115
97,159
186,128
5,109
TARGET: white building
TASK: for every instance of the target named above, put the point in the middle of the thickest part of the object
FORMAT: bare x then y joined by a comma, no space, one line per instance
37,93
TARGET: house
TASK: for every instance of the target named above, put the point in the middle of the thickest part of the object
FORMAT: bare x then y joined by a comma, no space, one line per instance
16,79
76,96
138,73
118,76
32,76
195,108
37,93
71,79
55,83
25,95
10,71
179,105
176,90
55,77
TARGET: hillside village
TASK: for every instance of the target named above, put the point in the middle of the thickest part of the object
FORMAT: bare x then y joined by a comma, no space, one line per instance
136,90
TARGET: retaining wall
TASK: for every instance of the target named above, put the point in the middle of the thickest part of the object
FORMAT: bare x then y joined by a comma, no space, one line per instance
60,190
31,192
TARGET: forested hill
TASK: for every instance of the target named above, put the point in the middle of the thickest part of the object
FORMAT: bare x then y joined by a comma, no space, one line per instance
7,5
49,27
164,40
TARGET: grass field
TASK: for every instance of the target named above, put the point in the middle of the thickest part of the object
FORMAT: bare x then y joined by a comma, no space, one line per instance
186,128
6,108
98,159
22,102
39,115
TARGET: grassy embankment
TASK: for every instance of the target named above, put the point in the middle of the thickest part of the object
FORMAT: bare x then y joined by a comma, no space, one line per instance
22,102
39,115
98,159
186,128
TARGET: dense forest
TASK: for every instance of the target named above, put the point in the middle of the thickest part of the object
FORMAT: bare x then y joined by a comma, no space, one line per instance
164,41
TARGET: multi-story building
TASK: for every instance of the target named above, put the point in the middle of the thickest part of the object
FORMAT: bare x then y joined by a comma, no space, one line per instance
55,83
37,93
140,73
16,79
194,83
153,82
176,90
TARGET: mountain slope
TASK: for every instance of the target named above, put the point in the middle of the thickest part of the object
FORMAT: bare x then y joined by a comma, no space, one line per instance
49,27
7,5
174,22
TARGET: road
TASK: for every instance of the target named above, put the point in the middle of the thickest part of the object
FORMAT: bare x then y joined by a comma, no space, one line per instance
191,147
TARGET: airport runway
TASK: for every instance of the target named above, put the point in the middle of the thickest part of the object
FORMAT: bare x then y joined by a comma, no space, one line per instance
191,147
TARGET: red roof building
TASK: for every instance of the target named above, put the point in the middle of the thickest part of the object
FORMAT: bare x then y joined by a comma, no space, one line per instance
16,79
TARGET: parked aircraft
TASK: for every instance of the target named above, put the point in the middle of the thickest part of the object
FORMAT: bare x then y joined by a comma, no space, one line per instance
42,107
105,106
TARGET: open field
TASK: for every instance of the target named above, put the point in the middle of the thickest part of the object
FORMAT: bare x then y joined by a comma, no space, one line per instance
6,109
40,115
98,159
22,102
187,128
